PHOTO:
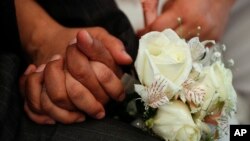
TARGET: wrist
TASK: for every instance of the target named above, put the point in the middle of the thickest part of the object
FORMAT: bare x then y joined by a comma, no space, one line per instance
39,43
36,30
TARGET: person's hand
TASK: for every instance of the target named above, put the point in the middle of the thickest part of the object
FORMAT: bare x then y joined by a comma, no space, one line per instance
42,44
42,37
102,47
37,83
37,104
96,43
64,94
204,18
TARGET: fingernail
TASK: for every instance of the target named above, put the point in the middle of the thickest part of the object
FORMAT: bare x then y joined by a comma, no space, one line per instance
49,121
122,97
40,68
100,115
81,119
55,57
73,41
126,55
88,37
28,70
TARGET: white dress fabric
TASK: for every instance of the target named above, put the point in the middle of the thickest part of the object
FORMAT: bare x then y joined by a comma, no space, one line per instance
237,40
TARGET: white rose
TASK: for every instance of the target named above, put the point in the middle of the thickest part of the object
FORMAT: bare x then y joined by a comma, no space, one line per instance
174,122
219,91
163,53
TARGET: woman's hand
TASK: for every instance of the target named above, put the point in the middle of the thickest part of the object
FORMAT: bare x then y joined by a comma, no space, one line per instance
203,18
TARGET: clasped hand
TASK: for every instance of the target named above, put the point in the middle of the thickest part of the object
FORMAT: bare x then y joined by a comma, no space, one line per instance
77,82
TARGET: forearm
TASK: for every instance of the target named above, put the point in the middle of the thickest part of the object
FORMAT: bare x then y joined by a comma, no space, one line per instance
34,25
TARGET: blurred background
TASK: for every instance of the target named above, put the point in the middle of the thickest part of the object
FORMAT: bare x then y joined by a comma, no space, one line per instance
237,40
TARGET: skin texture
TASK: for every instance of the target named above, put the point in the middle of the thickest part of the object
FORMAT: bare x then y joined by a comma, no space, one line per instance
149,11
64,83
203,18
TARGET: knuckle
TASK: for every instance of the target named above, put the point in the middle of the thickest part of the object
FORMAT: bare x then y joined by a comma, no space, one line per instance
50,67
116,42
75,92
34,106
95,55
59,100
81,73
104,75
46,107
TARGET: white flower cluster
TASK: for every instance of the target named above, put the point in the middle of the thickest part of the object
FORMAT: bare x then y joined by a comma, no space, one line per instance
188,84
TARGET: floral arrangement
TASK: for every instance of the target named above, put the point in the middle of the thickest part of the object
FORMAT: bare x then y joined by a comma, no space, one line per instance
186,84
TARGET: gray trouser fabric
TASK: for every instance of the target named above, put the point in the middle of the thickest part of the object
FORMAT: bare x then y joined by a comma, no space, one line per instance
10,100
91,130
15,125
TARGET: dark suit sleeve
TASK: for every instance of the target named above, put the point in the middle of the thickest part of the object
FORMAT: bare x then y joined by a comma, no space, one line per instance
8,28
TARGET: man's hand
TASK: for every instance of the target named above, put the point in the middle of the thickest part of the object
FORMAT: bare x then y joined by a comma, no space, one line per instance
38,83
81,84
81,80
204,18
38,105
